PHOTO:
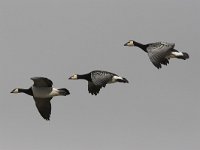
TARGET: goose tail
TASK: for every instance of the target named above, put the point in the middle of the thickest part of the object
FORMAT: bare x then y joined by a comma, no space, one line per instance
185,55
63,91
123,80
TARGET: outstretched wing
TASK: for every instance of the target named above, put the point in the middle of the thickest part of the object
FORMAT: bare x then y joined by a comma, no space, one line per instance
44,107
157,53
42,82
99,80
93,89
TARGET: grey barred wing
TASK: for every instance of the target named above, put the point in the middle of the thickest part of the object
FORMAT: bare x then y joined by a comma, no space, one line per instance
160,45
93,89
156,59
157,53
101,78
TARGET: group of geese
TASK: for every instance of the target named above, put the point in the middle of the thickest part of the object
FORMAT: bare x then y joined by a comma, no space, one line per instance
43,91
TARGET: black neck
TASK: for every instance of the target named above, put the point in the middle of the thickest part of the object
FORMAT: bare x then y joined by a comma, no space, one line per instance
142,46
85,76
26,91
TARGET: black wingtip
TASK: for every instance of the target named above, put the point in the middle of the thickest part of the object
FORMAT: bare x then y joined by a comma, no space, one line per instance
158,67
93,93
45,116
47,119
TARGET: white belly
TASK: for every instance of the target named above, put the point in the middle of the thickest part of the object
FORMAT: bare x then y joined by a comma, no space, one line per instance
44,92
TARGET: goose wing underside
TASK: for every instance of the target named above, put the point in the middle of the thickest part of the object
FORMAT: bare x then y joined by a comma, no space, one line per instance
157,53
42,82
44,107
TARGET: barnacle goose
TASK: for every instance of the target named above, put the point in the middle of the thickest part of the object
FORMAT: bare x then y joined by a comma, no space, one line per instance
42,92
98,79
159,52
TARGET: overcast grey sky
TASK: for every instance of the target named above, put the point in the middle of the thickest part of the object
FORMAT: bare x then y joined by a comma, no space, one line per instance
157,110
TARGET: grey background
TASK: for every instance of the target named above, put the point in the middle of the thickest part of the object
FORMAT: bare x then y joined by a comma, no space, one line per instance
157,110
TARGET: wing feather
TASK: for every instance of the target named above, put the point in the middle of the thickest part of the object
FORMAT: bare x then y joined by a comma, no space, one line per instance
99,80
44,107
42,82
93,89
158,52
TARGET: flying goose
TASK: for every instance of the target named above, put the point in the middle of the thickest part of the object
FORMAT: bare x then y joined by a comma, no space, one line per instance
42,92
159,52
98,79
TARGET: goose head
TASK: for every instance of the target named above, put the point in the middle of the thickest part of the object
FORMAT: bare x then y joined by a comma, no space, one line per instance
130,43
16,90
74,77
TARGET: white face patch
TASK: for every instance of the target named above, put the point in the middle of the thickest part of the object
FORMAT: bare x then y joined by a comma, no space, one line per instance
130,43
15,90
74,77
